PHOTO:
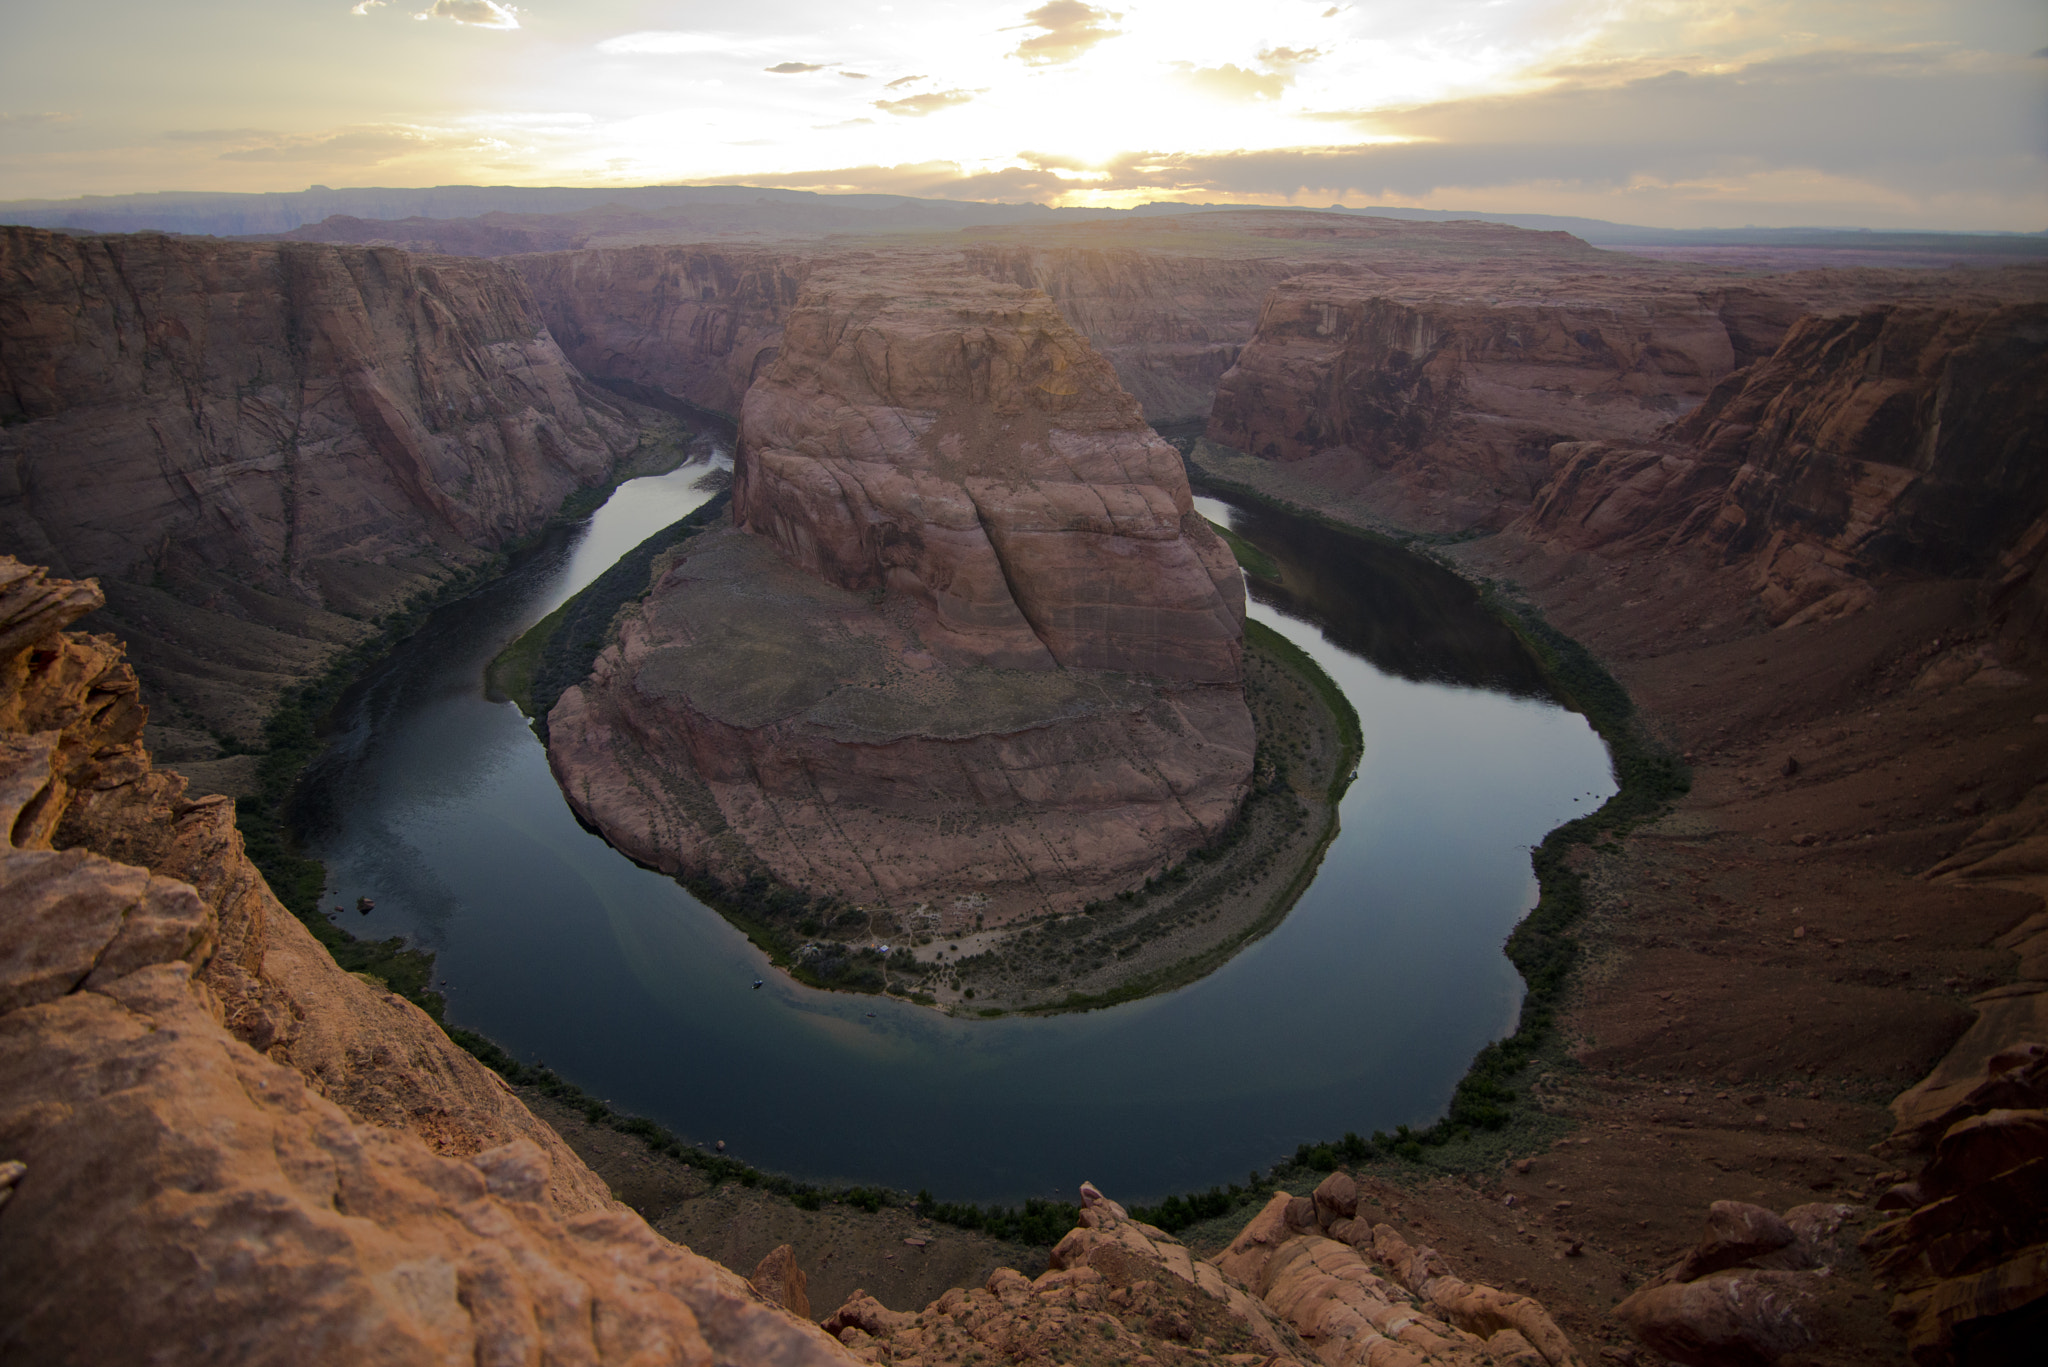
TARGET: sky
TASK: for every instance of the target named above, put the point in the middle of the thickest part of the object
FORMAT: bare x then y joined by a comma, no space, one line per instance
1675,113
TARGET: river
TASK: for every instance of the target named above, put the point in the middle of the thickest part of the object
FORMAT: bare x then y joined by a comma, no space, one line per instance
1359,1012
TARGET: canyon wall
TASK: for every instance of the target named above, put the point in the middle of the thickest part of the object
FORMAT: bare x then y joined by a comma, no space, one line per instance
1437,396
967,641
1899,441
219,1146
1171,325
698,324
261,448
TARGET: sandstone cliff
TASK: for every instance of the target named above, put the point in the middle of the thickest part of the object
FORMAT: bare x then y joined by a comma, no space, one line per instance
1170,324
261,448
968,644
1897,441
1438,395
698,324
219,1146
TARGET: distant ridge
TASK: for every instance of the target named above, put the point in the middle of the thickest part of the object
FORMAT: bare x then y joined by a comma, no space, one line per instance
746,208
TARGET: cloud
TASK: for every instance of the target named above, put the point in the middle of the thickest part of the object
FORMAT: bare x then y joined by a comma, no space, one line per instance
32,120
792,68
365,6
216,134
665,42
917,106
353,146
1289,56
474,13
904,80
1233,82
1071,28
855,75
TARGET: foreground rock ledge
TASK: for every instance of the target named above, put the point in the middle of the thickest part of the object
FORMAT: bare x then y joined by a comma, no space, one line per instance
968,646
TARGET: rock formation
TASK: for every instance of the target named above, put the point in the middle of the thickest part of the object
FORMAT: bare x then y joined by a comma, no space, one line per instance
277,1161
968,641
1303,1283
259,449
1751,1291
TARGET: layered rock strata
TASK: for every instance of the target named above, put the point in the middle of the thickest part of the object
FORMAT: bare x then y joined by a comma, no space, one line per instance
185,1077
699,324
1892,442
1440,400
259,449
1305,1282
968,641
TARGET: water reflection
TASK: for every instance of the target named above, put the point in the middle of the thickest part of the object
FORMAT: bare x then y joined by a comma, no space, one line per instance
1408,616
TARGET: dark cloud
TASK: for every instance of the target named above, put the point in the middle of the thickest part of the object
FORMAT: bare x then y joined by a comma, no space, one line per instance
792,68
917,106
1071,28
904,80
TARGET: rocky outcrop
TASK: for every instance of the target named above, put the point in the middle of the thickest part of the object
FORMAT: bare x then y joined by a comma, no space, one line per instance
1359,1293
1750,1293
1301,1284
699,324
186,1077
968,642
1967,1255
260,449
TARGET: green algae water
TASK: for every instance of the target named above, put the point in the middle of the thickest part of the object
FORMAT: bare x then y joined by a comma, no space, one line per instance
1359,1012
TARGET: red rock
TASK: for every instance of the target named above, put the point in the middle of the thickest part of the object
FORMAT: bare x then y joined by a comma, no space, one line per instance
978,603
258,446
1729,1319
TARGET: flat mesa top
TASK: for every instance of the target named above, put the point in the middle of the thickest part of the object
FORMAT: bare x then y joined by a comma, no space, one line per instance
749,640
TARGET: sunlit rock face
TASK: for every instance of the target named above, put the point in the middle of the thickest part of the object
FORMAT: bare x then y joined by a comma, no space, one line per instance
966,643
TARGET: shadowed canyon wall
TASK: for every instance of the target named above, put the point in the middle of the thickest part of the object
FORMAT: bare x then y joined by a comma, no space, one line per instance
261,448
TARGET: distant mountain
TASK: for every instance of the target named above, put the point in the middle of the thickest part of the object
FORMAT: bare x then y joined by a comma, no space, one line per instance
510,218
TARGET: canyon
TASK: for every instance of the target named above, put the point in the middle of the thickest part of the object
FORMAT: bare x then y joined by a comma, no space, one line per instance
1801,517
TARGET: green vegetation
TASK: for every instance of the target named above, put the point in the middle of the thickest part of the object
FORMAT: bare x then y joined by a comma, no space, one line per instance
1351,741
1255,562
558,652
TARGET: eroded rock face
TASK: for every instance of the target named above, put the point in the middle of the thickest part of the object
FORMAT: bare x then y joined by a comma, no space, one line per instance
693,323
260,447
217,1145
968,644
1897,441
1286,1293
1454,397
958,444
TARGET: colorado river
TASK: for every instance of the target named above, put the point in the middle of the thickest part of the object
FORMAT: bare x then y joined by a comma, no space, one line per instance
1359,1012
